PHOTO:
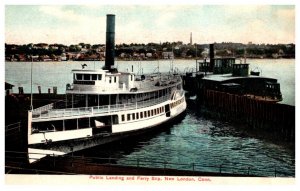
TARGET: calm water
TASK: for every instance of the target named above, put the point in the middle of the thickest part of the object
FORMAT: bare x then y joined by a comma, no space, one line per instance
49,74
196,139
204,142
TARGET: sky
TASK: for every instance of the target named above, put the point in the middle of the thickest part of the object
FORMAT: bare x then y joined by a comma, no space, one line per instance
66,24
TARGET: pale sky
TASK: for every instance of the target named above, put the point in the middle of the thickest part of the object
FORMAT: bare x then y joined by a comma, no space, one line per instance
67,24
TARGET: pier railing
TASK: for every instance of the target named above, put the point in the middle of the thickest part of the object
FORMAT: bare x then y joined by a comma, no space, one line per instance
65,161
47,112
13,128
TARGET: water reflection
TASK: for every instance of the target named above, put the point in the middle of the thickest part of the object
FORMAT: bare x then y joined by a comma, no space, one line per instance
205,142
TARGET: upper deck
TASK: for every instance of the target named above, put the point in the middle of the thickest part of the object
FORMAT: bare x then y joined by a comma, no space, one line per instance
105,82
48,113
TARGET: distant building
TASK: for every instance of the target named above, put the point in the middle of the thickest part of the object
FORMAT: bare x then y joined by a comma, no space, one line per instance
205,52
167,55
63,57
149,55
8,88
122,55
41,45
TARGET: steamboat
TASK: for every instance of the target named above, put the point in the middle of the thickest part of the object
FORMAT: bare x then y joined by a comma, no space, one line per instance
225,75
104,105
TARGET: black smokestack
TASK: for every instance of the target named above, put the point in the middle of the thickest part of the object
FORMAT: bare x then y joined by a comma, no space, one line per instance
211,52
211,56
110,42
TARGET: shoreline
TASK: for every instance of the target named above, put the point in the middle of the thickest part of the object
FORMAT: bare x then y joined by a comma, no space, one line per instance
149,60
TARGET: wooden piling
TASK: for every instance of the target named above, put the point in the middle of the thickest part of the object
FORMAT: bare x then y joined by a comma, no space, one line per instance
274,117
21,91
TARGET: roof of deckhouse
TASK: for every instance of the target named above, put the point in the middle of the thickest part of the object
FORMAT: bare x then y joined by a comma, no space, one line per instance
224,77
80,71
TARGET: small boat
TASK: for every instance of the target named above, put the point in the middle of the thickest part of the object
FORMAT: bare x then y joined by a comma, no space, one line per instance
103,106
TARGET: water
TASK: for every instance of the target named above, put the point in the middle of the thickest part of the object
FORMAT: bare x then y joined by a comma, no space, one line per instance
49,74
206,143
196,139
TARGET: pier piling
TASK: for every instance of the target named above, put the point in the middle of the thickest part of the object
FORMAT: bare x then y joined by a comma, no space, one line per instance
277,119
21,91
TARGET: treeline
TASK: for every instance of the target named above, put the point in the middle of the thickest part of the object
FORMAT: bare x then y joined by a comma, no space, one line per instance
42,51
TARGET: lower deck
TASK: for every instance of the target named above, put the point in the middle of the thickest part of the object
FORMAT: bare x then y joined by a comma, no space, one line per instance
63,128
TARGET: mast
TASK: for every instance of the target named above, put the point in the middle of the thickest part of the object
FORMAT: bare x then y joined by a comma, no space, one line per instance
196,57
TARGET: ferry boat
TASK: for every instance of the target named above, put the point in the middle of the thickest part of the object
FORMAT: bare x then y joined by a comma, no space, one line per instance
103,106
225,75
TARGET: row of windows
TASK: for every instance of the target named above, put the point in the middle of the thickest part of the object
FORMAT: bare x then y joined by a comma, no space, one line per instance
174,104
110,79
143,114
237,66
93,77
88,77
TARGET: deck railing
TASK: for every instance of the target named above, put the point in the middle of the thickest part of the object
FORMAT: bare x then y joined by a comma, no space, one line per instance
43,109
47,112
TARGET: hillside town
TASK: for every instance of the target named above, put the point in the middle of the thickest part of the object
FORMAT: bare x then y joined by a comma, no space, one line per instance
150,51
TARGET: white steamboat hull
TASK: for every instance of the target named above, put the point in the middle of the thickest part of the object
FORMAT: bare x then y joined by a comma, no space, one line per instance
64,142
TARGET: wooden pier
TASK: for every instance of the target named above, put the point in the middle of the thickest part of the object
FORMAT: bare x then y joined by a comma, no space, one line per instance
276,120
75,165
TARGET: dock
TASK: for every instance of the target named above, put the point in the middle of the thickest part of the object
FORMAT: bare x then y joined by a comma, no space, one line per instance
80,165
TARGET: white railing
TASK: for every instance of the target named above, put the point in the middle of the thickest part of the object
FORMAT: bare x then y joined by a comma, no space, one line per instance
69,112
43,109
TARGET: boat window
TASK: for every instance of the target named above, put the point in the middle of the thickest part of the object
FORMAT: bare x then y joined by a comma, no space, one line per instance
115,79
145,113
152,112
133,116
115,119
131,77
86,77
137,115
71,124
141,114
149,113
128,117
78,76
94,76
99,76
123,117
84,123
109,79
